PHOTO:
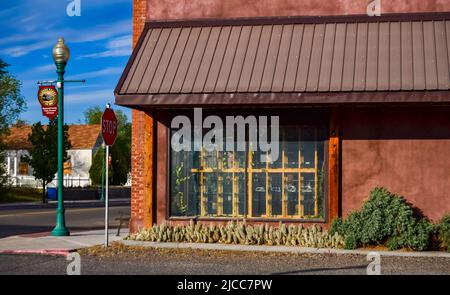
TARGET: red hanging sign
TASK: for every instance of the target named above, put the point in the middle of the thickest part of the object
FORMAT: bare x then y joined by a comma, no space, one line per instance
48,98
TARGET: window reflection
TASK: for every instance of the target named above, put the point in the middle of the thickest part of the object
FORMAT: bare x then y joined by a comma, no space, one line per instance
238,183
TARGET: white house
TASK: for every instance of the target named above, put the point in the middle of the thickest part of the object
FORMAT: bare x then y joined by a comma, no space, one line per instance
85,140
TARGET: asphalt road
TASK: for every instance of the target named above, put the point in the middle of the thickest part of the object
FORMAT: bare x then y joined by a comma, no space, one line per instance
201,262
38,220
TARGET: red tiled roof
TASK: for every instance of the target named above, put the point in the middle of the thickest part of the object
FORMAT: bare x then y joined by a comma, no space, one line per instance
81,137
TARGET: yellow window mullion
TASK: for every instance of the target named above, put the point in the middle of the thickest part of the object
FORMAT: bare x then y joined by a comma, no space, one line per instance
316,178
250,184
301,209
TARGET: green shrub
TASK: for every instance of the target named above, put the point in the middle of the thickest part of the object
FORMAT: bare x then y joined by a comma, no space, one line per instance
337,226
95,172
443,230
350,242
20,194
384,219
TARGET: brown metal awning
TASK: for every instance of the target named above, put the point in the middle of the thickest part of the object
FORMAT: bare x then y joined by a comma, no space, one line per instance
290,60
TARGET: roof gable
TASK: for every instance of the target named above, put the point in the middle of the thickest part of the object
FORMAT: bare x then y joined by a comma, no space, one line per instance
81,137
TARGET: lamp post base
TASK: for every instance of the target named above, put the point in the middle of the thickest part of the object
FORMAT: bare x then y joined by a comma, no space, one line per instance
60,232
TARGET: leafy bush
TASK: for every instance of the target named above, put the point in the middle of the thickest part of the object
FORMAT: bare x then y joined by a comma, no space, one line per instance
20,194
443,230
384,219
241,233
95,172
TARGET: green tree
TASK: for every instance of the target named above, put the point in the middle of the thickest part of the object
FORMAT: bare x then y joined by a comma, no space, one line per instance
93,116
44,153
12,104
120,152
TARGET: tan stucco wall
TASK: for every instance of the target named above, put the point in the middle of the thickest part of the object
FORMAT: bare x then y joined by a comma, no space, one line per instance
176,9
406,150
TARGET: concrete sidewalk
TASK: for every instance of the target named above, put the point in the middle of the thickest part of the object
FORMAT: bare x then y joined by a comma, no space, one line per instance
44,243
282,249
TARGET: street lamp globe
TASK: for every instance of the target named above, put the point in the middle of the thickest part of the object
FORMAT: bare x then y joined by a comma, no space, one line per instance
61,52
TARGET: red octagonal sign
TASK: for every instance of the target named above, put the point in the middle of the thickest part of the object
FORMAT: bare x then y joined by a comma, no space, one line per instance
109,126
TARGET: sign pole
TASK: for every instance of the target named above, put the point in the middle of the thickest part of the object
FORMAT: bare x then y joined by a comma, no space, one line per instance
103,175
106,196
109,134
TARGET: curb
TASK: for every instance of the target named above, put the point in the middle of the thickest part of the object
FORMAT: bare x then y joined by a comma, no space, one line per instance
38,251
281,249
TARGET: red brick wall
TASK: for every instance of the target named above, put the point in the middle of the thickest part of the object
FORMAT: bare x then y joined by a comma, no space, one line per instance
138,177
173,9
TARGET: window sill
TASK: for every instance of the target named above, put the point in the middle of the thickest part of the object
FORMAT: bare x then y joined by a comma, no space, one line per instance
250,219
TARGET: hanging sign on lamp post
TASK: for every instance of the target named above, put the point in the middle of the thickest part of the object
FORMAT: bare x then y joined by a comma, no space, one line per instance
48,98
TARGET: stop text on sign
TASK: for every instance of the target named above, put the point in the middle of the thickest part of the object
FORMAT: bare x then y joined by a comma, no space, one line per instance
109,127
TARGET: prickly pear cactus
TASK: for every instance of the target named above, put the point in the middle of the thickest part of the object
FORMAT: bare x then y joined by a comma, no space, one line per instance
241,233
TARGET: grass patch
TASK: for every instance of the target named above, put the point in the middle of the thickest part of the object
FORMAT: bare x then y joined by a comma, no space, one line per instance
20,194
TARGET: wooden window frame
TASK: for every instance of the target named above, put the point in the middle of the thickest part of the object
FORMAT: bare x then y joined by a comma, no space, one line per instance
161,177
248,171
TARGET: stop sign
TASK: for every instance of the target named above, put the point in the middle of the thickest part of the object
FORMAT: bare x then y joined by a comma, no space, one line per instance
109,126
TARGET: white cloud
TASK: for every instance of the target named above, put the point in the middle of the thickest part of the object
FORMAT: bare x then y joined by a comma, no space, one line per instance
28,19
120,46
40,69
101,32
17,51
31,40
123,41
100,96
10,11
100,73
108,53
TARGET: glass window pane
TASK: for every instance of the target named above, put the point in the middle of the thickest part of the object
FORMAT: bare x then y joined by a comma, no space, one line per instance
227,193
179,198
292,193
258,194
210,193
194,195
291,147
275,192
290,187
308,193
240,160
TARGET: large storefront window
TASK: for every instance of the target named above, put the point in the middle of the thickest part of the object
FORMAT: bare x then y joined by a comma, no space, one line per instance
238,184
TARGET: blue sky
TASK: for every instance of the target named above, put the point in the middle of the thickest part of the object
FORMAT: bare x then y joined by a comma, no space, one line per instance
99,42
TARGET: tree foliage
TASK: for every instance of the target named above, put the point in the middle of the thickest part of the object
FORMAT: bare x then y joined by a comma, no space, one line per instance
95,171
12,104
93,116
44,153
120,152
